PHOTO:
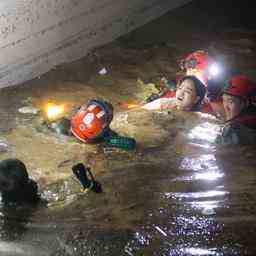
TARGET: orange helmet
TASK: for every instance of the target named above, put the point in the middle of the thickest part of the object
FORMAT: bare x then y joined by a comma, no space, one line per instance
91,122
196,60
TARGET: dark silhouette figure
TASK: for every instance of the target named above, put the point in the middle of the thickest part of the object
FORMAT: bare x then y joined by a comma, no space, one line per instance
15,184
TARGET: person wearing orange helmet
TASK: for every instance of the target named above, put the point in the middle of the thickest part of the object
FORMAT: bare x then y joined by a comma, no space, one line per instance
91,122
240,112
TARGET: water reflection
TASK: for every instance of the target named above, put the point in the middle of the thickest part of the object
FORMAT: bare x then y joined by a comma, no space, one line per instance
198,251
176,235
186,223
193,195
204,133
204,166
202,162
208,175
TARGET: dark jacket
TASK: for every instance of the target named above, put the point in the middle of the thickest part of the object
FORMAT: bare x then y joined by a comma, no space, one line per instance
240,130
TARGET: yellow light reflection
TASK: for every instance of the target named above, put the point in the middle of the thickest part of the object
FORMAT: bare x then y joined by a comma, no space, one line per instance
54,111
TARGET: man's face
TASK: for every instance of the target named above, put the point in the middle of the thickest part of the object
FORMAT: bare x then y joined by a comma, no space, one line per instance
232,106
186,96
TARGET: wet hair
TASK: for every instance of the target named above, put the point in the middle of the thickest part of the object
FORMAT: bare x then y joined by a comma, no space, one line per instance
15,185
200,90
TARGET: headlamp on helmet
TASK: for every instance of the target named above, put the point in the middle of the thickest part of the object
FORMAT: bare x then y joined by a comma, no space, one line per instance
214,70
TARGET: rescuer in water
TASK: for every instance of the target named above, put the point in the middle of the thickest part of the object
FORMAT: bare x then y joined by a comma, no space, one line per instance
201,65
240,112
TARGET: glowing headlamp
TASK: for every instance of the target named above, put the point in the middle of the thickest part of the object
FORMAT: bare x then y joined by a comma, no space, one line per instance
214,70
53,111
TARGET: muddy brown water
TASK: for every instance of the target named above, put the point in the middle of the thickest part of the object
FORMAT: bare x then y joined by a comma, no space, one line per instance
176,194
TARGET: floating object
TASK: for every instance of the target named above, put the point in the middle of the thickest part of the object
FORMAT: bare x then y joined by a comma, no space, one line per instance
29,110
80,171
92,121
120,142
103,71
4,146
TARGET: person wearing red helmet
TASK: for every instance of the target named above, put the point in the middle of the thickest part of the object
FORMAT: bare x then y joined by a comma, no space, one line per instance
91,122
198,64
195,64
201,65
240,112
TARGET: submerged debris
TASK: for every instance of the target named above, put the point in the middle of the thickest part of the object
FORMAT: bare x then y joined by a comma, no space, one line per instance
103,71
4,146
29,110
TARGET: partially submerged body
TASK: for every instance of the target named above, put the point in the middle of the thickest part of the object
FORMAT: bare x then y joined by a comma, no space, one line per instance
15,184
240,113
189,96
201,65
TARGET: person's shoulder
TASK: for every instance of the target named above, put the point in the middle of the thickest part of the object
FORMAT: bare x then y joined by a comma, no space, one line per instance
236,133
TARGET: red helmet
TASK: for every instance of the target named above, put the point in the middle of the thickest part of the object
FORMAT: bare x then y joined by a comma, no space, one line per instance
240,86
196,60
92,121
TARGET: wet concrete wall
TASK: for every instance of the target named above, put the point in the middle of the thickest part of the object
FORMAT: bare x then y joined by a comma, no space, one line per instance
36,35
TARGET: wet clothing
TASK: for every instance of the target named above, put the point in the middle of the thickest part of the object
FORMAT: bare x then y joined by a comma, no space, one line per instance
240,130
